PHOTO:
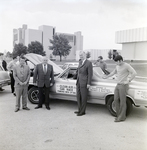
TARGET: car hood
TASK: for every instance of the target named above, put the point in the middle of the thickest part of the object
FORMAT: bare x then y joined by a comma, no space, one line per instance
37,59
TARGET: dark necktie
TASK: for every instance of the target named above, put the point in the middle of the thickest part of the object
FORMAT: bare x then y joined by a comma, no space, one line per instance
45,69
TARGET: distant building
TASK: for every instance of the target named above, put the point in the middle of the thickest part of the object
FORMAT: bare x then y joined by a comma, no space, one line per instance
43,35
134,43
95,53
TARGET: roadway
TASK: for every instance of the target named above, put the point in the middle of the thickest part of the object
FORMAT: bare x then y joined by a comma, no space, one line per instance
61,129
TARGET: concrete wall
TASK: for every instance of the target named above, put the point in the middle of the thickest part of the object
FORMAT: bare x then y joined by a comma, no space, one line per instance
134,43
47,34
135,51
32,35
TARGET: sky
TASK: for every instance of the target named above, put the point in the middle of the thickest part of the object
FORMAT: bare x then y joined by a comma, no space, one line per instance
98,20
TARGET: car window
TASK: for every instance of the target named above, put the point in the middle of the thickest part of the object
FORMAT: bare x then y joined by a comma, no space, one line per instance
64,66
69,74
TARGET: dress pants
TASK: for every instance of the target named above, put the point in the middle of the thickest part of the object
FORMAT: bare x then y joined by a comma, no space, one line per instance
21,90
82,93
12,82
43,95
120,100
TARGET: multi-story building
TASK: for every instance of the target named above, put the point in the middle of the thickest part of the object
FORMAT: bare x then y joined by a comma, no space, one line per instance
43,35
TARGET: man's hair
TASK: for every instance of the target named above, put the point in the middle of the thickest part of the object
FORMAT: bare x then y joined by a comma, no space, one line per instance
118,58
14,57
82,52
100,57
22,57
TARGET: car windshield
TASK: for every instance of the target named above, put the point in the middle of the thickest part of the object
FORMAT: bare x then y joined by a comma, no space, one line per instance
98,71
70,73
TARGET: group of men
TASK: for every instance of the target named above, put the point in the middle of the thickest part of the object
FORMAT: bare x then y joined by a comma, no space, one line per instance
44,79
125,74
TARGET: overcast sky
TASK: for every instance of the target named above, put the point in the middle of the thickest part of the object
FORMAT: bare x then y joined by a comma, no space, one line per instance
98,20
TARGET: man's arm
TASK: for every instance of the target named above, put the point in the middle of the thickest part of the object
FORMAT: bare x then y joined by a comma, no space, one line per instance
52,77
132,74
109,75
90,74
35,74
15,76
28,77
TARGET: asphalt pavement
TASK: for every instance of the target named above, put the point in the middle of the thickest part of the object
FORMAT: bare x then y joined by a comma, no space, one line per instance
60,129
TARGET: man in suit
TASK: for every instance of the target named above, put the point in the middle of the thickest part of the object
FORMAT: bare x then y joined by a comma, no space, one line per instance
21,74
44,77
84,77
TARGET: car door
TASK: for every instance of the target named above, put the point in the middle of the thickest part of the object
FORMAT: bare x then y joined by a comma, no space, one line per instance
65,86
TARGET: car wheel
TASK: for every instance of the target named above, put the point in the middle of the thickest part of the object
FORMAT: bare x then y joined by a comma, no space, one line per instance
33,95
111,106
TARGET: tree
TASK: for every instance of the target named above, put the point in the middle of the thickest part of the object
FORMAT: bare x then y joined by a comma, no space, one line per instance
19,49
36,47
60,46
110,54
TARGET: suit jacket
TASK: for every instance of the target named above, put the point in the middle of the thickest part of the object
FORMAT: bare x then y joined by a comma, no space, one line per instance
41,78
84,73
21,74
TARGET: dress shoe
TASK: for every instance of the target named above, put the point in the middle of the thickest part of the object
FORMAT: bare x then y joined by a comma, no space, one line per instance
26,108
76,112
37,107
117,120
80,114
14,94
1,89
47,107
17,109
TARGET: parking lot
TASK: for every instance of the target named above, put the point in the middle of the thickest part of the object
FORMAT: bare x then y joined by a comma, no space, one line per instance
61,129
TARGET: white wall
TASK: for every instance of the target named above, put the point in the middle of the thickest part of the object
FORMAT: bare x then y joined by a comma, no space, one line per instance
46,36
136,51
32,35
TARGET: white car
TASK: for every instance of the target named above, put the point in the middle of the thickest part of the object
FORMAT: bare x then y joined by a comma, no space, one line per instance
100,92
4,77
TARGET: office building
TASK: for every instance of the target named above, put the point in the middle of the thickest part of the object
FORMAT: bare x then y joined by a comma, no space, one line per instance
43,35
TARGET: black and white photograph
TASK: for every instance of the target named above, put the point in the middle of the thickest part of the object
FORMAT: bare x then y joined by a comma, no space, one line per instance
73,75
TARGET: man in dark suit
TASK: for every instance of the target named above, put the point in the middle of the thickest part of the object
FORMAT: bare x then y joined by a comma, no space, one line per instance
84,77
44,77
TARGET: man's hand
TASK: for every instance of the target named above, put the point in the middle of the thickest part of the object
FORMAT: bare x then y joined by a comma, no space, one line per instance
21,83
24,83
104,76
35,84
126,82
51,84
88,86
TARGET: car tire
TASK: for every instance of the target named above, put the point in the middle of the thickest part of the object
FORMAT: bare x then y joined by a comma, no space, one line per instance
33,95
111,107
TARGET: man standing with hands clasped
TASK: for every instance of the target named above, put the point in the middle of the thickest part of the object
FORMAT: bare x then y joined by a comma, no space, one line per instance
44,77
21,74
125,74
84,77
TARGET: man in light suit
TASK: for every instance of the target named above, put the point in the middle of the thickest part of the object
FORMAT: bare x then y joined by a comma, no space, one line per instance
44,77
84,77
21,74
